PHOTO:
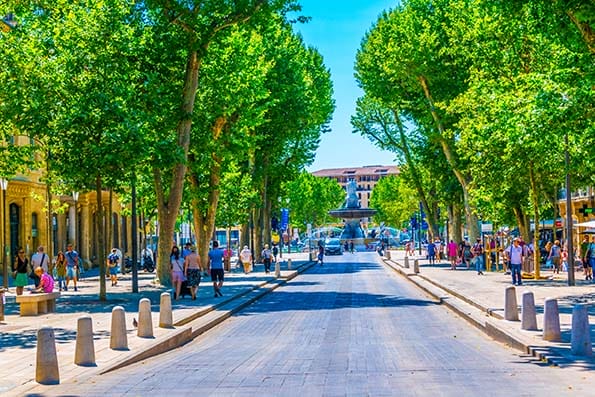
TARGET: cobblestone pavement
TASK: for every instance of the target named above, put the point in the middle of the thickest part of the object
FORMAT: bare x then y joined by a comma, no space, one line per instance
18,335
352,327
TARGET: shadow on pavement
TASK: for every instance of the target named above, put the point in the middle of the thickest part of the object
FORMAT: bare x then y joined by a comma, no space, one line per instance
328,300
27,339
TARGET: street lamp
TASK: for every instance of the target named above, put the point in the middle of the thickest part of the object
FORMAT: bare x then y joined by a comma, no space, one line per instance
4,186
75,197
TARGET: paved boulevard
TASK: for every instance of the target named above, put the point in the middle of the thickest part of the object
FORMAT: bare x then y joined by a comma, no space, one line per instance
351,327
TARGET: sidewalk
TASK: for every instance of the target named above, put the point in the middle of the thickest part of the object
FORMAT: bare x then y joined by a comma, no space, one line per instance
480,300
18,335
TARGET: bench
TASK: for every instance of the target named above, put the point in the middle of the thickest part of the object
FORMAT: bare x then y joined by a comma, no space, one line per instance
34,304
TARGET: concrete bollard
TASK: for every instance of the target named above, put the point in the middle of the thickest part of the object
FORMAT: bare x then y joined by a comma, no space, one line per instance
416,266
166,319
84,353
46,368
277,269
551,320
118,336
288,263
511,311
406,263
580,339
528,313
145,322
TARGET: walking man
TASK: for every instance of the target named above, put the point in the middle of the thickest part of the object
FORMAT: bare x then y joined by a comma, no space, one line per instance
72,265
431,253
266,258
514,256
216,268
478,256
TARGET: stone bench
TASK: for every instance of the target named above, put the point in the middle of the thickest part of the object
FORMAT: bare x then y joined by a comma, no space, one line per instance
34,304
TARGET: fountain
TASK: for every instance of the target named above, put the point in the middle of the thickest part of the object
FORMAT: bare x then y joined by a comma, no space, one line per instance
352,213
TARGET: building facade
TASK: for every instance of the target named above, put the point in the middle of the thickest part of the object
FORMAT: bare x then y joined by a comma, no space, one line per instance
366,178
25,223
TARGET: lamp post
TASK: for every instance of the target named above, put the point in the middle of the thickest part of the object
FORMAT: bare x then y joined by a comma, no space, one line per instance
75,197
4,186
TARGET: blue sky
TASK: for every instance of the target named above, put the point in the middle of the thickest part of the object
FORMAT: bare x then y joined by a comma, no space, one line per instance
336,30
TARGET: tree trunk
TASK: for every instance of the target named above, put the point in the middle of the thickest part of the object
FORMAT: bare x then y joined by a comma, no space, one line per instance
417,180
450,155
257,233
454,225
168,202
204,223
244,236
100,225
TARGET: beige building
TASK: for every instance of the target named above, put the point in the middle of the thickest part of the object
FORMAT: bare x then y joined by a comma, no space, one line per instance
24,220
366,177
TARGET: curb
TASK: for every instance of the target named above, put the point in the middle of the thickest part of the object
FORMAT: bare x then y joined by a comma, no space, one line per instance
202,321
457,302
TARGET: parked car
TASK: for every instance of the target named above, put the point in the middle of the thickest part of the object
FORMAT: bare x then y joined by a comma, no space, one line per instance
333,246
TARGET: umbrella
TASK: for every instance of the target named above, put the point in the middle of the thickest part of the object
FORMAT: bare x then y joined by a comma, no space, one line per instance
586,224
588,231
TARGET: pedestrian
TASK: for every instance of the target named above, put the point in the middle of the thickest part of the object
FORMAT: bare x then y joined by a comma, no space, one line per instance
192,271
438,249
216,268
46,284
431,248
266,255
186,250
477,252
21,271
275,252
493,250
176,263
113,262
555,256
227,254
61,270
320,254
351,247
589,260
246,259
467,254
515,255
72,266
40,259
452,251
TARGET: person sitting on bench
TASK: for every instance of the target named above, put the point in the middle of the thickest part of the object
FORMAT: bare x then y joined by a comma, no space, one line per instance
46,285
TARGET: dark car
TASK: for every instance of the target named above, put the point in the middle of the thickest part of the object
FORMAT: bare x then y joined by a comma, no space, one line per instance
333,246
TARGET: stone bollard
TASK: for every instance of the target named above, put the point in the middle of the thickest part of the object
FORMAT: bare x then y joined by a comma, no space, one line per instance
511,311
166,319
84,353
528,313
118,338
145,322
46,368
406,263
551,320
416,266
580,339
387,254
288,263
277,269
